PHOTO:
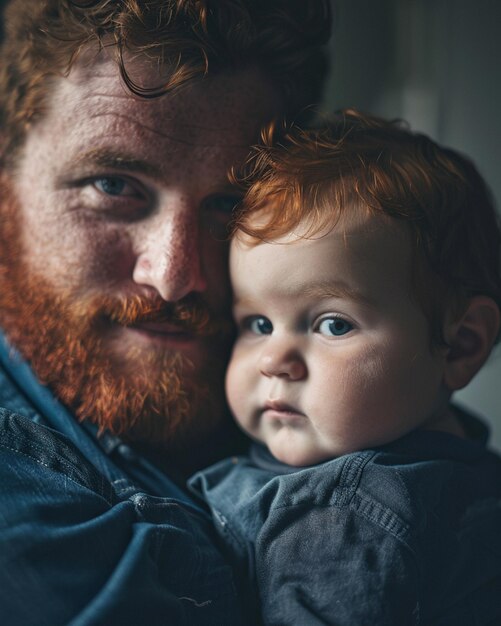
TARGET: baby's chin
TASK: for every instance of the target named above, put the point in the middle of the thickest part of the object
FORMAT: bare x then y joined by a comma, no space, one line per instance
297,454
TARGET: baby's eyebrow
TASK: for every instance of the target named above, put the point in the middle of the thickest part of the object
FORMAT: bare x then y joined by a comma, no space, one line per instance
335,289
321,290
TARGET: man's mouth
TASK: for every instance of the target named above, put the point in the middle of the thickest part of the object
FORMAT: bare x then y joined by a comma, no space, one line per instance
164,333
190,318
152,327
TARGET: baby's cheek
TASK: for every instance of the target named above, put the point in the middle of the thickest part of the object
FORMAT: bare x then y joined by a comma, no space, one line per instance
348,380
238,384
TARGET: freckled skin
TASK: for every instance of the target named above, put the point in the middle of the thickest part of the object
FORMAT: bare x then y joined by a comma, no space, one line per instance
156,237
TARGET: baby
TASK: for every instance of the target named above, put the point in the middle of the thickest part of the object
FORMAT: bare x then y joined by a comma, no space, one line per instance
365,269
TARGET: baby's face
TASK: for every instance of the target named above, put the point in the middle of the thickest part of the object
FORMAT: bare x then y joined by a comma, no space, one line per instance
333,353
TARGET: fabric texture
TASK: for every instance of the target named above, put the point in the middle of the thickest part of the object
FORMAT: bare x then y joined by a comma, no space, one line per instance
91,533
406,534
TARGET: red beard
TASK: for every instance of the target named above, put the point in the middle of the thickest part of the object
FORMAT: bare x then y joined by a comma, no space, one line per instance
156,397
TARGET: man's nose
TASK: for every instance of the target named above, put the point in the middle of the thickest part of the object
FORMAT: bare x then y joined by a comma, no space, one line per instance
283,360
170,257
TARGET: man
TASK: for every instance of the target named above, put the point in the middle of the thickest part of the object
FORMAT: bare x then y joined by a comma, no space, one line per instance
119,122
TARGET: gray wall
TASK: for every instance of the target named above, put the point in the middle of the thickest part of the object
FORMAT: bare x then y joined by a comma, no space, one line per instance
435,63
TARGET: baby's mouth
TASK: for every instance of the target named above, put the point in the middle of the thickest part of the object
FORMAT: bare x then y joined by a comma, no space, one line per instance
282,411
279,405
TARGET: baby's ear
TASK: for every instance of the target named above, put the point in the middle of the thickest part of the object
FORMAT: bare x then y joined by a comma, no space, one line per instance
470,339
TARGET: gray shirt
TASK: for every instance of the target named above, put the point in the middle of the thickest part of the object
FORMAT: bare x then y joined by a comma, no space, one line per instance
409,533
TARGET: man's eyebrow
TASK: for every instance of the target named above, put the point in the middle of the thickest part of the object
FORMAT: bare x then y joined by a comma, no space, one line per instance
111,159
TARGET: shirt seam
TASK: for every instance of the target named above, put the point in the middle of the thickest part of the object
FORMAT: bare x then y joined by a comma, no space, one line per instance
21,443
65,465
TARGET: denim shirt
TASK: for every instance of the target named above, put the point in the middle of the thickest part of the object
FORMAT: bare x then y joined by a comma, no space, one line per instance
91,533
406,534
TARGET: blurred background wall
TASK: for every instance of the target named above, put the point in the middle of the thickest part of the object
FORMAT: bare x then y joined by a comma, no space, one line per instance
436,64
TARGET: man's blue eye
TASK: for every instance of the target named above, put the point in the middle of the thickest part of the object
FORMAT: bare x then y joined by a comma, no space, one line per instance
260,325
112,186
334,327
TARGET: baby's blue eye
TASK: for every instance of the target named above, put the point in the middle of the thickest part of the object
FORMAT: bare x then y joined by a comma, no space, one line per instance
111,185
334,327
259,325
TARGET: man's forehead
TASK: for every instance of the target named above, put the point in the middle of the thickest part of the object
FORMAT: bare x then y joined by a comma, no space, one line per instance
93,123
201,104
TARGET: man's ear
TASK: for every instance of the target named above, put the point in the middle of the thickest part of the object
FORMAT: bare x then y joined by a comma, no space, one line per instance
470,339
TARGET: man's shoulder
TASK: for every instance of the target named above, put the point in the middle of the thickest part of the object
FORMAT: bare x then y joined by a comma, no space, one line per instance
64,534
25,445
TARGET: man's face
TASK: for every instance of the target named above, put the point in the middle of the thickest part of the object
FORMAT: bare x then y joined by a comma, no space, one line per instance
333,353
120,206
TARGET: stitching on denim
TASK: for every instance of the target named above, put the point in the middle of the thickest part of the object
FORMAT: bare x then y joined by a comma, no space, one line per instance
63,462
380,515
227,528
351,474
30,448
123,487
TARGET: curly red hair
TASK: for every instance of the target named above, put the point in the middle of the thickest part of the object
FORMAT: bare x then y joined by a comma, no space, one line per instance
284,38
313,176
